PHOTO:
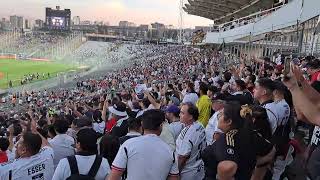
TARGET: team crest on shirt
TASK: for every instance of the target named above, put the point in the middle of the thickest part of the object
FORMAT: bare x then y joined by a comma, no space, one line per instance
230,151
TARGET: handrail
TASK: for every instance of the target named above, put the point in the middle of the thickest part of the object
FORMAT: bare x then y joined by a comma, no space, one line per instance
249,17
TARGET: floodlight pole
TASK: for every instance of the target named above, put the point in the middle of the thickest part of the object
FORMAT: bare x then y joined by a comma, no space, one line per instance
180,22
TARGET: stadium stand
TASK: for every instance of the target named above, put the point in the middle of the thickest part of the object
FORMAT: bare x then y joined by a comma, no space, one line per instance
245,107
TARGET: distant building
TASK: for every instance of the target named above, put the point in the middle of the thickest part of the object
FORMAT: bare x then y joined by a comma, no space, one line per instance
5,25
170,27
144,27
76,20
99,23
86,23
131,24
126,24
39,23
158,26
123,24
27,24
16,22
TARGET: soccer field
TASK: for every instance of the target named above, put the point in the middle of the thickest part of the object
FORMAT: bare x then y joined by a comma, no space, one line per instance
14,70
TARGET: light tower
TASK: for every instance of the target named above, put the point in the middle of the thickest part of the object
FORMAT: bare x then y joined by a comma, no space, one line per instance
180,21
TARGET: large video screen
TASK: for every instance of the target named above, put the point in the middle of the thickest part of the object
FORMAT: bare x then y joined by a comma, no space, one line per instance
58,22
58,19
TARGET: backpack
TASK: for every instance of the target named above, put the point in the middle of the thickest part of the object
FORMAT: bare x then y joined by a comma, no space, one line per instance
75,171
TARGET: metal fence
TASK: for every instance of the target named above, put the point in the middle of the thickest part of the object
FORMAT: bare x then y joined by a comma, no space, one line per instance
299,40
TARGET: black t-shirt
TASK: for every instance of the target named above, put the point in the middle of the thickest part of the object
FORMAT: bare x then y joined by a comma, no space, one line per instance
244,98
125,138
121,130
241,147
314,164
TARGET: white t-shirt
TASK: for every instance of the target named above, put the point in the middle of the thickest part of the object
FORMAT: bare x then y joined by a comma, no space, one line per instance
191,141
212,128
278,112
99,127
282,111
167,136
148,157
272,116
190,97
176,128
37,167
11,155
84,164
63,146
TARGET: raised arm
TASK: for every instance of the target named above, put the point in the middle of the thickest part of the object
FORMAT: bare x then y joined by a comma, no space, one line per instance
152,100
302,102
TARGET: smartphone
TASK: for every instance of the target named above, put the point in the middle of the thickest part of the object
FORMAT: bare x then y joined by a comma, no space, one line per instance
286,70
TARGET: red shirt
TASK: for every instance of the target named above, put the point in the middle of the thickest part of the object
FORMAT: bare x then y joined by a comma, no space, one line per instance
3,157
314,77
109,124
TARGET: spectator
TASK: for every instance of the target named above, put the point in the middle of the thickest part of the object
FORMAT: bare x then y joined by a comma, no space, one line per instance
32,161
190,143
204,105
167,136
62,144
98,123
240,93
135,154
313,69
172,115
135,129
211,91
109,146
234,154
263,93
86,162
260,121
4,144
191,95
250,80
118,112
212,131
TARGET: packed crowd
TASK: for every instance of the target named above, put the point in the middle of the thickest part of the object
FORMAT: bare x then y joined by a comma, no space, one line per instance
29,43
175,113
90,52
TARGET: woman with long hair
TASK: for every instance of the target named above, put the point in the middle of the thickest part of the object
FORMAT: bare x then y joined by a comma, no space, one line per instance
241,150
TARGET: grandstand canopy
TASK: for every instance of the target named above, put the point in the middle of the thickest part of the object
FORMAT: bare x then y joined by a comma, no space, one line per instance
223,10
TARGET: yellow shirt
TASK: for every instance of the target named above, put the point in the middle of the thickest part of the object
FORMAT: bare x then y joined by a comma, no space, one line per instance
204,107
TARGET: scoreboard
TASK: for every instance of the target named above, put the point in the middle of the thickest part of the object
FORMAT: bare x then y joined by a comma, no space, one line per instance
57,19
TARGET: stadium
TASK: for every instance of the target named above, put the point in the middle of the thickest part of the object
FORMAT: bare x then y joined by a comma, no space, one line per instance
237,99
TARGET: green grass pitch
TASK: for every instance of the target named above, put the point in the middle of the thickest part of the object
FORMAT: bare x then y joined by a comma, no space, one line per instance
14,70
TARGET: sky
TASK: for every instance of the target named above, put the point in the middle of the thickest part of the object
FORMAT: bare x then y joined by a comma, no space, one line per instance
112,11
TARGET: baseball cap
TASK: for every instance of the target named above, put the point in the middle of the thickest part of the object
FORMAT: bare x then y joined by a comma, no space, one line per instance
118,109
172,109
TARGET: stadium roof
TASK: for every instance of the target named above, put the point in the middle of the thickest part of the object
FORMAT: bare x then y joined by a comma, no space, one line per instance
222,10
